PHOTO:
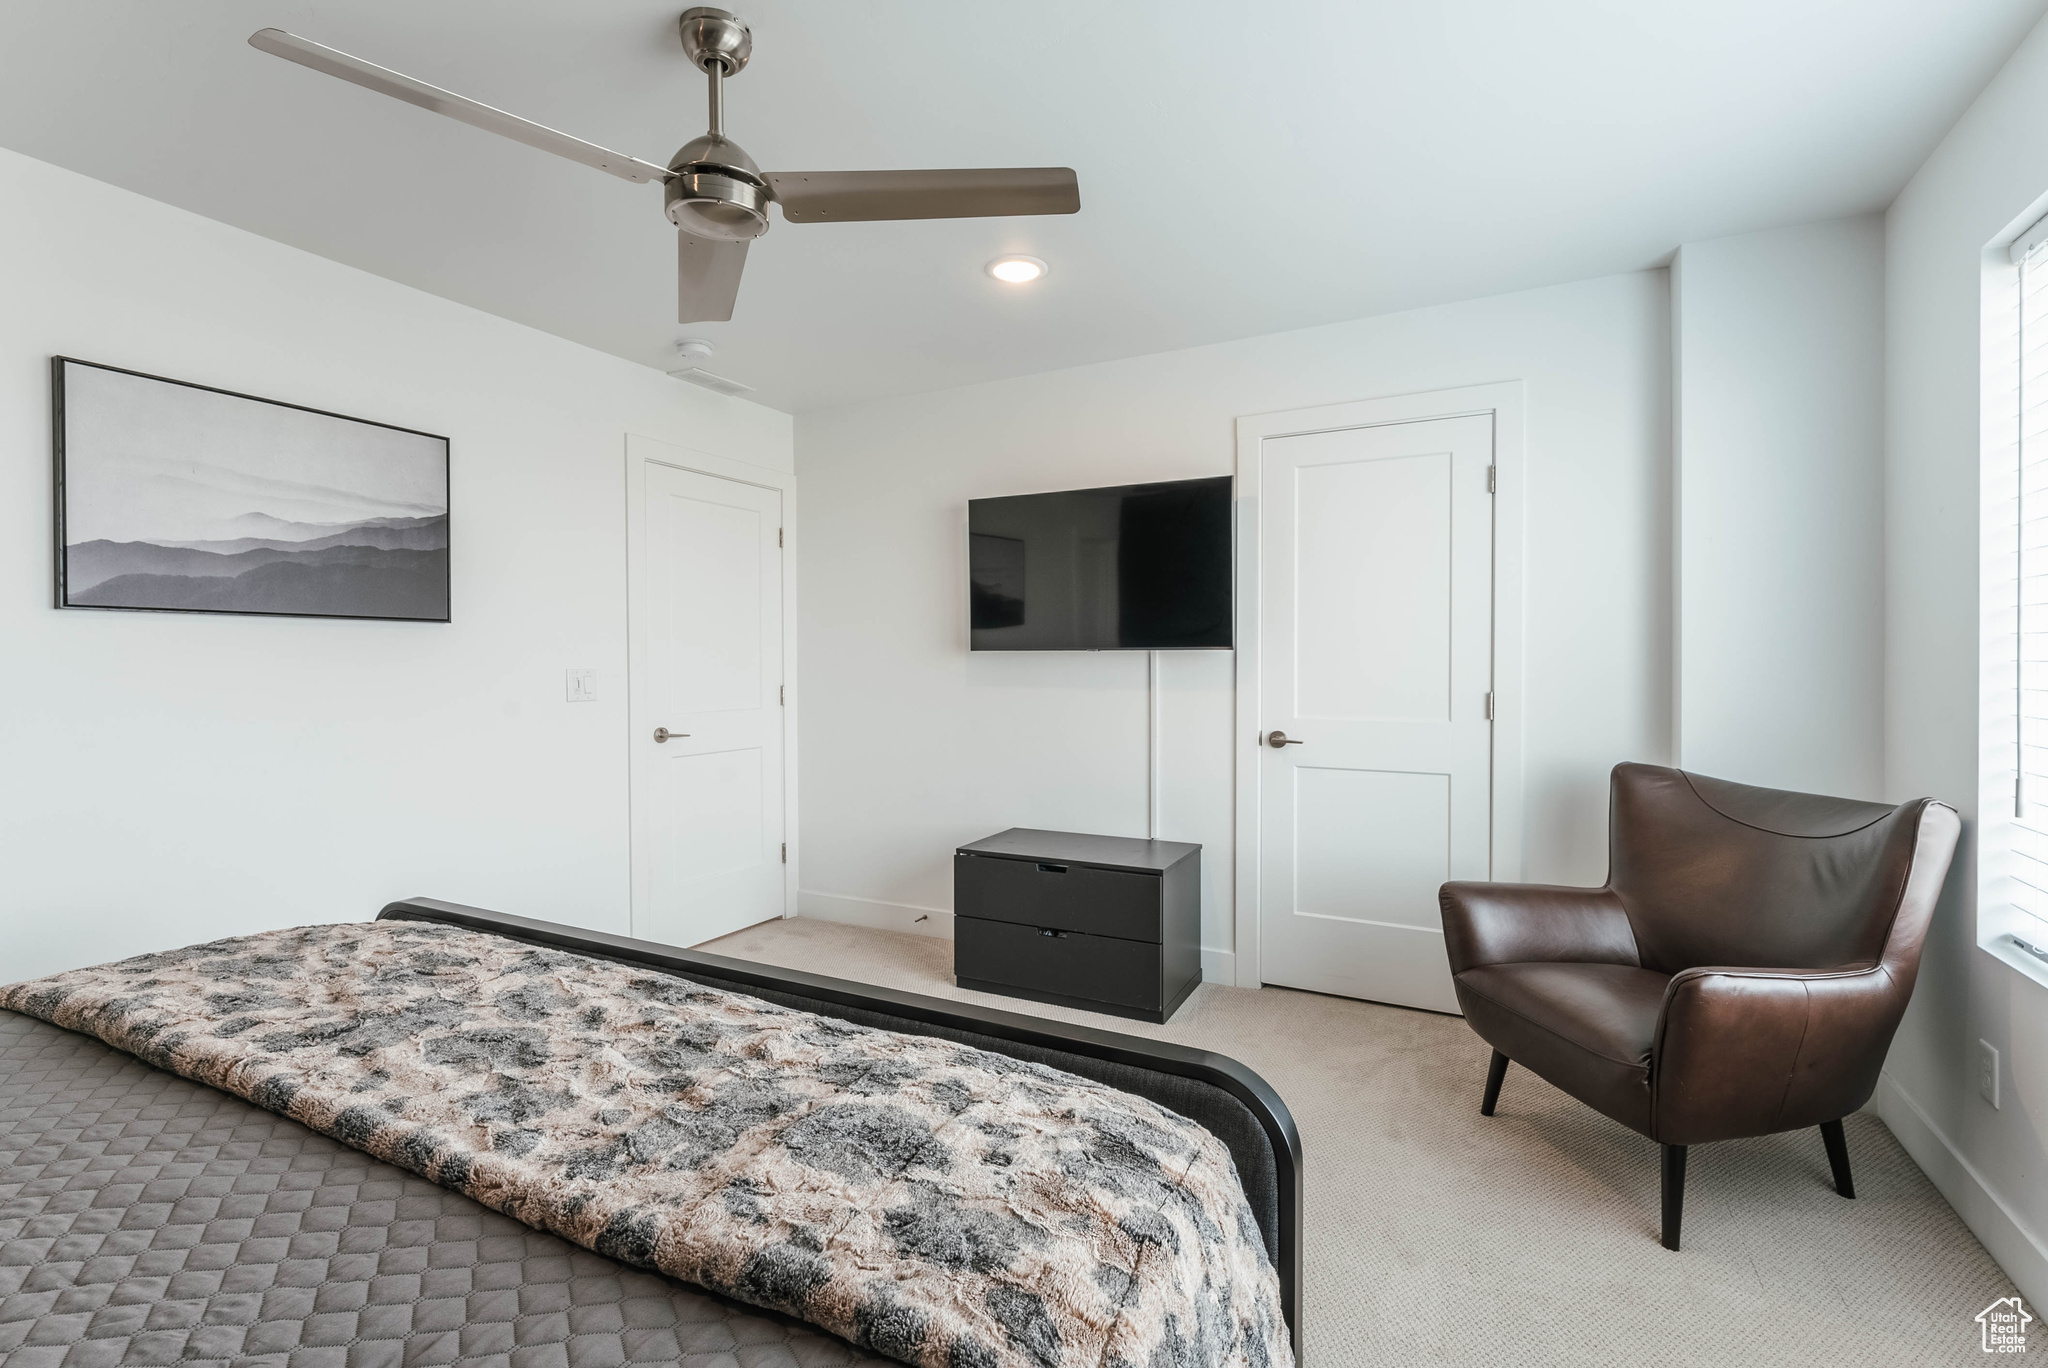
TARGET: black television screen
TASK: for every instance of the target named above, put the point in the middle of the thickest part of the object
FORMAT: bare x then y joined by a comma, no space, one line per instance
1129,568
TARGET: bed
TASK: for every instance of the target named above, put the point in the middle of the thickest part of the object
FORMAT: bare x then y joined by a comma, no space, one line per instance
147,1218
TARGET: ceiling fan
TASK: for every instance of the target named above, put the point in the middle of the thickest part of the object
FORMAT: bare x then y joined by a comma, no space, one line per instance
715,193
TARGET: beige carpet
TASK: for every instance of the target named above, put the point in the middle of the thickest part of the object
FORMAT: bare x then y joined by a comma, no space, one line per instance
1438,1236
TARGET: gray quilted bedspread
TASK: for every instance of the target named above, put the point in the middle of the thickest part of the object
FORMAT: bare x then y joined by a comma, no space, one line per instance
146,1219
938,1204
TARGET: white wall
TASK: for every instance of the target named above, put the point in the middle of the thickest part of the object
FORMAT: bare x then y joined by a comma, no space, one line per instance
173,777
912,745
1990,171
1779,467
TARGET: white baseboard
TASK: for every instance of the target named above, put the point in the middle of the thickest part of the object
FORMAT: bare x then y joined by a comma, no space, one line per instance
2018,1250
1218,966
872,912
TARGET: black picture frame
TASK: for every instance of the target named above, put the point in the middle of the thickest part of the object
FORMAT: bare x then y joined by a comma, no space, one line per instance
64,579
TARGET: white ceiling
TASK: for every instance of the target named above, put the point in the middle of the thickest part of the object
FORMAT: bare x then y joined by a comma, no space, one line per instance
1246,167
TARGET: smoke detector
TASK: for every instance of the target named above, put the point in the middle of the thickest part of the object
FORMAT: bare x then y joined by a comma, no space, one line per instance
692,353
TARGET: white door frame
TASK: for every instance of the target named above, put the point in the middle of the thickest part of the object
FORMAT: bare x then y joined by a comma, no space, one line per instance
1505,402
640,453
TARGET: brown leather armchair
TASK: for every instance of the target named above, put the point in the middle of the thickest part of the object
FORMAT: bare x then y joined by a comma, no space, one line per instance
1741,972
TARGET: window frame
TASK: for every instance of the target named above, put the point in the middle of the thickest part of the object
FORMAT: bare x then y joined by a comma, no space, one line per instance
2012,820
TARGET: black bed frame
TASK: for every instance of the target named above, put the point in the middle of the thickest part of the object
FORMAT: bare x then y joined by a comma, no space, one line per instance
1085,1042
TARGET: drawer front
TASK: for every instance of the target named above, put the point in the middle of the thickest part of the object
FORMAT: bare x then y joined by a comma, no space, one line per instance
1101,902
1098,968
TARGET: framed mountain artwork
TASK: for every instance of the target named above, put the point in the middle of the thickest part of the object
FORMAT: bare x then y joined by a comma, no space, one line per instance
173,497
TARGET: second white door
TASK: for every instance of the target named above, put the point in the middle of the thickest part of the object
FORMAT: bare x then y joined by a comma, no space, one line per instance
706,707
1376,587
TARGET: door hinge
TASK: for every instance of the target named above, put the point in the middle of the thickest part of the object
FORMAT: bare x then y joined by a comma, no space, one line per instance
778,531
1489,705
782,695
785,852
1490,471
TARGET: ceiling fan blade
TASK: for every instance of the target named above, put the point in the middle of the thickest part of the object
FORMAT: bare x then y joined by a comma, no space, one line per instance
384,81
852,196
708,275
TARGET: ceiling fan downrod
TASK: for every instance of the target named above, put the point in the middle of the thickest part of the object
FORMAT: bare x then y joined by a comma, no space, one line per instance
720,44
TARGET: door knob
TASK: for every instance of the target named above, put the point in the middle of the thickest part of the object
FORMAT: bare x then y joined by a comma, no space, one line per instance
1277,739
663,734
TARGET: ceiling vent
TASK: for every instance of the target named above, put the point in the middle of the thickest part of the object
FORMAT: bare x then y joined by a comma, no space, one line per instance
692,352
697,375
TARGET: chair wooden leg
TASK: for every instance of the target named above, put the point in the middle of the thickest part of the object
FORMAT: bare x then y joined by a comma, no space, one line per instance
1674,1192
1495,1072
1838,1156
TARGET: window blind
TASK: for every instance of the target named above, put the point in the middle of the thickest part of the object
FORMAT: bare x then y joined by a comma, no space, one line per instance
2029,526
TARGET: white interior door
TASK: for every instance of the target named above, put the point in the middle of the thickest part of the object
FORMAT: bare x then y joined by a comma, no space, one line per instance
706,571
1376,584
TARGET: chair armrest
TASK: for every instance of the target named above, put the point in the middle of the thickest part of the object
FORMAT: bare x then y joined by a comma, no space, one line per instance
1743,1052
1504,923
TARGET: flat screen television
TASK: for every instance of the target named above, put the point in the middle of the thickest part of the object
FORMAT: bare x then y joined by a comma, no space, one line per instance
1128,568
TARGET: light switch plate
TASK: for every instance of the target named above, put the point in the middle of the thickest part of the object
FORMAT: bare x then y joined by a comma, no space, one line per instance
581,685
1987,1071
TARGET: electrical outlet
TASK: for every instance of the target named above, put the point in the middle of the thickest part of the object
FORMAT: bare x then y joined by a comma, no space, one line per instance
1987,1071
581,685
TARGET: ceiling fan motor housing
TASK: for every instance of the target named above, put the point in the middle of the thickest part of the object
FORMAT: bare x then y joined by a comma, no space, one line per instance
715,191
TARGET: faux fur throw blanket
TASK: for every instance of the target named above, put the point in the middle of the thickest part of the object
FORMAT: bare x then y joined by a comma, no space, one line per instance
941,1205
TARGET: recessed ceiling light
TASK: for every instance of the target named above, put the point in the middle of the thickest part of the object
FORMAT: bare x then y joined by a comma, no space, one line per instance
1016,270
